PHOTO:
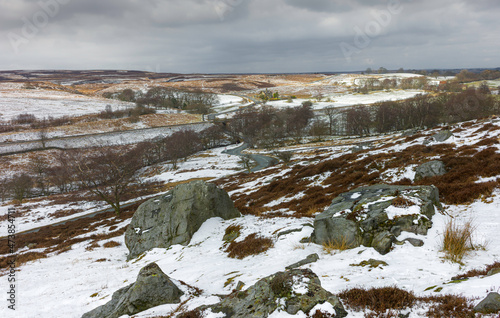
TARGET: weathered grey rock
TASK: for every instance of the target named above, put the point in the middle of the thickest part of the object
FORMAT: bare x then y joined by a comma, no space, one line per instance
372,263
443,135
493,271
415,242
152,288
430,169
360,216
261,299
336,230
176,216
308,260
489,305
382,242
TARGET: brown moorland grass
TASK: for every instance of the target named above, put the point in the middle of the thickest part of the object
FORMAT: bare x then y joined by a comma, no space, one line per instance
378,299
477,272
251,245
111,244
59,238
458,240
383,301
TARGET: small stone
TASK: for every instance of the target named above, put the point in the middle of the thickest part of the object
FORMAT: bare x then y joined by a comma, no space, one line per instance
240,285
415,242
308,260
489,305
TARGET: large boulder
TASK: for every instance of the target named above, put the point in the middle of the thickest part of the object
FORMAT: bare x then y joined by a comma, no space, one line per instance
430,169
489,305
176,216
374,216
291,291
152,288
442,136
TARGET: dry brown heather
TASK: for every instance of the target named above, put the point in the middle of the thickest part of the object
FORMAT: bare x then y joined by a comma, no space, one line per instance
388,301
60,238
465,165
253,244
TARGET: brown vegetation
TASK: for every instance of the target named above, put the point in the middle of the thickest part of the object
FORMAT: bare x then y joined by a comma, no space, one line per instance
384,301
251,245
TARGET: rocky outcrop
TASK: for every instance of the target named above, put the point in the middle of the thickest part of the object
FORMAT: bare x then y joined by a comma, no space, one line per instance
430,169
152,288
374,216
442,136
291,291
489,305
176,216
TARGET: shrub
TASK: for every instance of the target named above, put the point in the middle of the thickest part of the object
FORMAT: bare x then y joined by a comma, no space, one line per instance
251,245
457,240
378,299
450,306
478,272
402,202
321,314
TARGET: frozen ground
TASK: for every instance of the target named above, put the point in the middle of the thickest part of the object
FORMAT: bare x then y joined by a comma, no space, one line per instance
344,100
210,164
15,100
74,282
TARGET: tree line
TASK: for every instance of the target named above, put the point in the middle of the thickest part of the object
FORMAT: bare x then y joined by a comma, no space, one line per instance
164,98
420,111
269,127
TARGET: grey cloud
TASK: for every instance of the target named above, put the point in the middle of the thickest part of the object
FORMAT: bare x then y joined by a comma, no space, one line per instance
251,35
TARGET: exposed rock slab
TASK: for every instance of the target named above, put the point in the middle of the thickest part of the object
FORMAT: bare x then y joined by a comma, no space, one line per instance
374,216
152,288
176,216
291,291
430,169
489,305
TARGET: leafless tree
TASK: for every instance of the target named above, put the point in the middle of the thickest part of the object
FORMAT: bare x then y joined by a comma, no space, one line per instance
21,186
108,173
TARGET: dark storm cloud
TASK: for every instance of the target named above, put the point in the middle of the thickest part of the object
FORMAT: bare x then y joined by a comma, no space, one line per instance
248,35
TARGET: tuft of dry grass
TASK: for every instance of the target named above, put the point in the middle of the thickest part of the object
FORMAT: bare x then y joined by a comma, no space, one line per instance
338,245
458,240
383,302
251,245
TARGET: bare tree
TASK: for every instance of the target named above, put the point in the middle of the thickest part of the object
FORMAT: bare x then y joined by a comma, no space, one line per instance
331,114
21,186
43,136
246,163
39,168
108,173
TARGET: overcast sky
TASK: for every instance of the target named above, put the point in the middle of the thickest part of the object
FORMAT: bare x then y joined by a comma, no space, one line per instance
236,36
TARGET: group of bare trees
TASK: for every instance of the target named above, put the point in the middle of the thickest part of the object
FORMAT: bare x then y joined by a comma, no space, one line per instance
163,97
374,84
269,127
106,172
420,111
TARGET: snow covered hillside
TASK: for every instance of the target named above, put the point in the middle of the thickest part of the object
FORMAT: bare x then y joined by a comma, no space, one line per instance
69,278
